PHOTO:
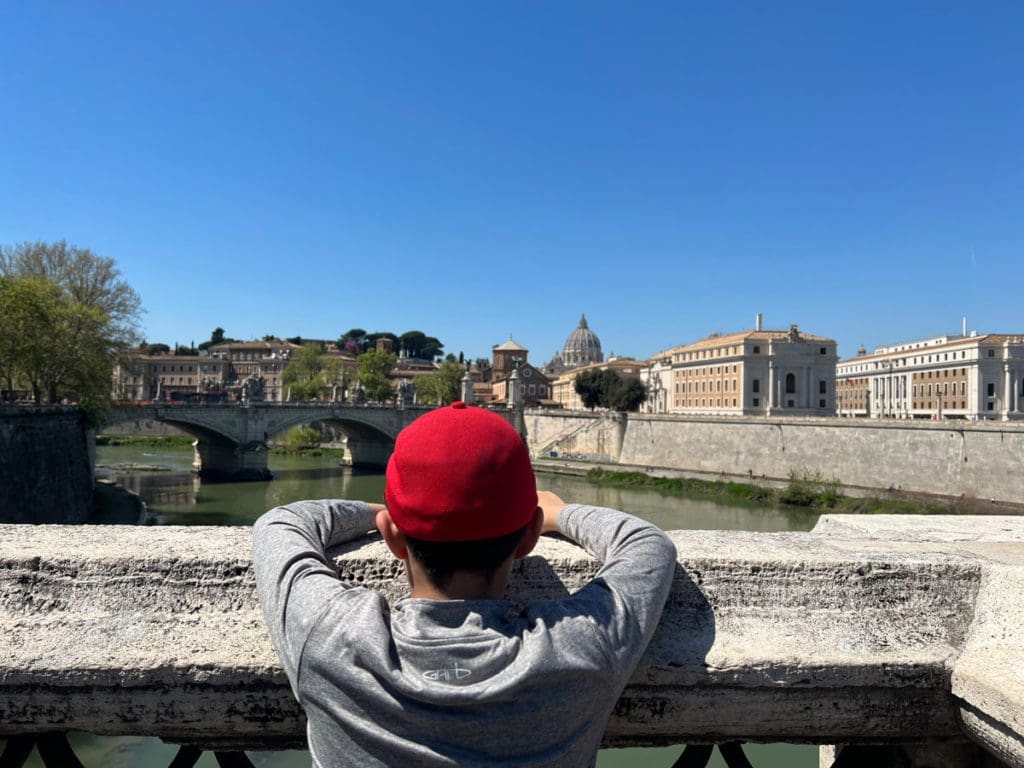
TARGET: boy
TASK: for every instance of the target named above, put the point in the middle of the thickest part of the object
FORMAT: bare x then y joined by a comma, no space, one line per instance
454,674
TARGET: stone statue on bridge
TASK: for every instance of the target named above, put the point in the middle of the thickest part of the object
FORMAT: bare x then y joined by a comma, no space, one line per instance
254,389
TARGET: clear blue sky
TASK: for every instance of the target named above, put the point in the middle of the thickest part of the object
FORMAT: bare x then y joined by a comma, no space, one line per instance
477,169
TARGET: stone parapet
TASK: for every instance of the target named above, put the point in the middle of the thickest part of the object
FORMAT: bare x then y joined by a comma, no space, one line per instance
881,630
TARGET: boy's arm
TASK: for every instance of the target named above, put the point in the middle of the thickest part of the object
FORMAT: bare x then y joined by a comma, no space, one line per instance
294,577
628,593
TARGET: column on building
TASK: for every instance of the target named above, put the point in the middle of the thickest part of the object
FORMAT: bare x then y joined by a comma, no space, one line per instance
1007,391
770,403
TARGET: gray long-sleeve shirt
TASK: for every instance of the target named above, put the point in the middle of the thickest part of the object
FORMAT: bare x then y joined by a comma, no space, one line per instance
460,682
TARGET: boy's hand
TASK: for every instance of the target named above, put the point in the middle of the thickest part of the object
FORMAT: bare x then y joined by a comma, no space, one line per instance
550,505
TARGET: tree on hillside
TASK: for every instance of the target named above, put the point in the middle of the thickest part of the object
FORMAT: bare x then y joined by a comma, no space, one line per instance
375,368
441,387
93,281
354,340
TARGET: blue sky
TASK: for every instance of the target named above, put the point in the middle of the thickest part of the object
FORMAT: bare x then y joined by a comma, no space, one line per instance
476,169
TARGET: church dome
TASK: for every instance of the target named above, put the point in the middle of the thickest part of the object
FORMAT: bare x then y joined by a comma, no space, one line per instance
582,347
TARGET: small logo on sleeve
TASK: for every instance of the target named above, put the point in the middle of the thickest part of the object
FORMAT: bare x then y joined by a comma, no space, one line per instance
448,674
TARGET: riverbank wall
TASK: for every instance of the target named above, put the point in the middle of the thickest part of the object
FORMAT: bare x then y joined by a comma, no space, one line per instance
983,460
46,465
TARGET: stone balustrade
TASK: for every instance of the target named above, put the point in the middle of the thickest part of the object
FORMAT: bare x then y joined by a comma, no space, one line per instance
885,630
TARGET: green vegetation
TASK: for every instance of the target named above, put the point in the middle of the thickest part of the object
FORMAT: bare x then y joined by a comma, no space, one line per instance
607,389
441,387
805,490
311,375
146,441
375,368
66,314
305,441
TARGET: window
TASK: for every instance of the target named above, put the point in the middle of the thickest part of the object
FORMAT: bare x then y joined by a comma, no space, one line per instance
790,384
963,388
991,353
756,385
757,350
823,351
991,389
822,387
789,404
988,407
821,404
734,402
757,402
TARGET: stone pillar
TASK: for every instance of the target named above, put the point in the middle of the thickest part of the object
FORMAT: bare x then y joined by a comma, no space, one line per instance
467,388
369,453
1007,391
514,392
770,401
224,461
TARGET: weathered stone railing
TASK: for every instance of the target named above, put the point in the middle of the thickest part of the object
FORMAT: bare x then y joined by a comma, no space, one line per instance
870,630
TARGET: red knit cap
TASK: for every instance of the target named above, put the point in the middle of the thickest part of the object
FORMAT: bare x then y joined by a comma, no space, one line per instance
460,474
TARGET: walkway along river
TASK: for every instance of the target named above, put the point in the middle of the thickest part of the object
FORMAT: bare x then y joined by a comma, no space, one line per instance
175,497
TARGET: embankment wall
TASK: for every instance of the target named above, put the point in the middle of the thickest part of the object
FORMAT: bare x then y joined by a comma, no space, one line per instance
46,475
976,459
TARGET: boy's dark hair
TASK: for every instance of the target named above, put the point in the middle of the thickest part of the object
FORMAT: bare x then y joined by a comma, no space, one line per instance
441,559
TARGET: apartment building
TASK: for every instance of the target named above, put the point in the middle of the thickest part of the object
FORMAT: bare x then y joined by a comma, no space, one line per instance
754,372
967,376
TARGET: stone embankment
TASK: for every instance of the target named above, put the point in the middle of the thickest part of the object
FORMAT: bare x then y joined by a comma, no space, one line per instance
907,632
983,460
46,473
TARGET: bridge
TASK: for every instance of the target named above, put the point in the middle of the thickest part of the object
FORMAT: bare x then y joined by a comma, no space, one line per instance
889,640
231,440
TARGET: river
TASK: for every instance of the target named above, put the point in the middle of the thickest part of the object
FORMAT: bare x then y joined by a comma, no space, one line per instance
174,497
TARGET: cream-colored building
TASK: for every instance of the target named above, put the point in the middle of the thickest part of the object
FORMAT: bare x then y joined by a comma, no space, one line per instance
968,376
755,372
161,377
563,389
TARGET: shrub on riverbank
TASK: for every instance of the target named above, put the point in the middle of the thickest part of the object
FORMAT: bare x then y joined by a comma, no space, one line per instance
146,441
305,441
809,491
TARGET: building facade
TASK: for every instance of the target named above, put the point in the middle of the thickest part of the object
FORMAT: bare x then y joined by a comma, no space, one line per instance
751,373
946,377
162,377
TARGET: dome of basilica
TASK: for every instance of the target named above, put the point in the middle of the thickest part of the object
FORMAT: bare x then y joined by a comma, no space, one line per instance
582,347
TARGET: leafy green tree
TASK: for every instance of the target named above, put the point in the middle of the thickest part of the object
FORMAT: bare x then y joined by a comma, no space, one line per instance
54,345
354,340
607,389
375,368
441,387
302,374
93,281
628,395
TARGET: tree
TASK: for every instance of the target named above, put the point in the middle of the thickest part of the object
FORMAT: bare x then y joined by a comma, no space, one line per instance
217,336
375,368
441,387
93,281
54,345
628,395
302,374
354,341
607,389
590,386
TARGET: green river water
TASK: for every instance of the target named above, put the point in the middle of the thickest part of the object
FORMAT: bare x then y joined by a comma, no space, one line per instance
174,497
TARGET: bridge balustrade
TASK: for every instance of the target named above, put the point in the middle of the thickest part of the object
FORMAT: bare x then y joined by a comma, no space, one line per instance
881,636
